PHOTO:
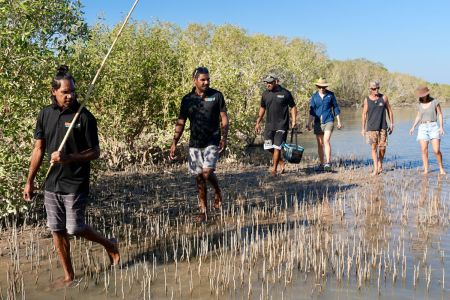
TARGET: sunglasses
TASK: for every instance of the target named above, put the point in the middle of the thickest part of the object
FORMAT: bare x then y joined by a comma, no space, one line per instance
374,89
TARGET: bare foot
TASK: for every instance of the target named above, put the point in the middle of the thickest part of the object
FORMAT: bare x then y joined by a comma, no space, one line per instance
375,172
425,172
273,172
217,200
200,218
442,172
113,252
61,283
281,167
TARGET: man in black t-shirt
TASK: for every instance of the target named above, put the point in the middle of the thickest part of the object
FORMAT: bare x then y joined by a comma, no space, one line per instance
67,185
206,110
276,100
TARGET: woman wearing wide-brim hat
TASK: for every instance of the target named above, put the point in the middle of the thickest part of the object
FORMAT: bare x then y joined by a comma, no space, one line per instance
323,110
428,114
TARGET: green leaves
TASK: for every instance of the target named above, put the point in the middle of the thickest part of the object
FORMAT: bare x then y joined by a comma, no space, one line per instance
32,34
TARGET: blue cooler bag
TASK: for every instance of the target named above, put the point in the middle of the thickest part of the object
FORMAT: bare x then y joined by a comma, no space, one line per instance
292,153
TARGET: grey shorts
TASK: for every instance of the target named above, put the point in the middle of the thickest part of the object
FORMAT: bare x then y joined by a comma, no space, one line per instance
202,158
65,211
321,128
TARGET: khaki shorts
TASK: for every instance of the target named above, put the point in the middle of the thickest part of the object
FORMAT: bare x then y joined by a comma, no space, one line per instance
377,137
321,128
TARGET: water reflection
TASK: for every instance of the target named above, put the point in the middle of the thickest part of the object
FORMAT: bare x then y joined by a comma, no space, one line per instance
402,149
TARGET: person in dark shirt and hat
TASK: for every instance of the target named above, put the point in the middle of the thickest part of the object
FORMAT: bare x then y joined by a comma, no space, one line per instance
277,101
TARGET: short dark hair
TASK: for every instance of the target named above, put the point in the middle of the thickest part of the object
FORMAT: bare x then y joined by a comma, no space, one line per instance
198,71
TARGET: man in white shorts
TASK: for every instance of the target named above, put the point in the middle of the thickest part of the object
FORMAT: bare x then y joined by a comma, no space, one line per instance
206,110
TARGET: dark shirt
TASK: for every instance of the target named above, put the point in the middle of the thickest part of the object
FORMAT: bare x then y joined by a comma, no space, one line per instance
323,110
51,126
376,114
277,103
204,116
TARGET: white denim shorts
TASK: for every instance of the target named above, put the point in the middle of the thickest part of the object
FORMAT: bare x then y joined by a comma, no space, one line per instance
428,131
202,158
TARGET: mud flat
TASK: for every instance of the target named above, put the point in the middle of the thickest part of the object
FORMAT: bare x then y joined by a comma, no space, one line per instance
342,234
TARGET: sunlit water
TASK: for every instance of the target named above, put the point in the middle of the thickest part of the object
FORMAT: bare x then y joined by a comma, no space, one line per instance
402,147
409,213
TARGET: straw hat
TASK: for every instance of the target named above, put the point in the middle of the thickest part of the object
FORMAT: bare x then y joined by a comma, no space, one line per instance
422,91
321,82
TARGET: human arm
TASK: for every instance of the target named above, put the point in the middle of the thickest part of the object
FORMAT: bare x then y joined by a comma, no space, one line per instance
416,121
390,113
225,124
339,124
179,128
261,113
35,163
441,119
337,111
59,157
364,117
311,114
294,117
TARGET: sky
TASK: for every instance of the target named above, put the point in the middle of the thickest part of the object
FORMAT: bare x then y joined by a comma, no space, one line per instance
406,36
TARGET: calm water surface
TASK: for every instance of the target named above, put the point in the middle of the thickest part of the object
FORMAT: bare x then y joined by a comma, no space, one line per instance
402,147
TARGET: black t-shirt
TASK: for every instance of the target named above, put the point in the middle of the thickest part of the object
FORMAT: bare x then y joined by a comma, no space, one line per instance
277,103
51,126
204,116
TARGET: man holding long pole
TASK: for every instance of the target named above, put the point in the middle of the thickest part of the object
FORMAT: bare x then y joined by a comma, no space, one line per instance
67,185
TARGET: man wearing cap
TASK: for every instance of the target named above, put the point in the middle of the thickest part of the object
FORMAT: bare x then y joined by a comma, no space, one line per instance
374,126
323,108
276,100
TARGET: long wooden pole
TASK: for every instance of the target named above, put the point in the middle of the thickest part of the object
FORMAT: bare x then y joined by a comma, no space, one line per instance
91,87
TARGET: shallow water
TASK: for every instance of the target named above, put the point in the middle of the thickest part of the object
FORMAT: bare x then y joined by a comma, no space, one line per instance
402,147
272,238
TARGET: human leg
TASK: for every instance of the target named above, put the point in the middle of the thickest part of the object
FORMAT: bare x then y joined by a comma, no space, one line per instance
56,222
210,158
62,245
382,144
327,145
201,193
375,158
278,140
381,153
110,246
319,139
275,160
424,149
195,166
210,176
75,205
436,143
